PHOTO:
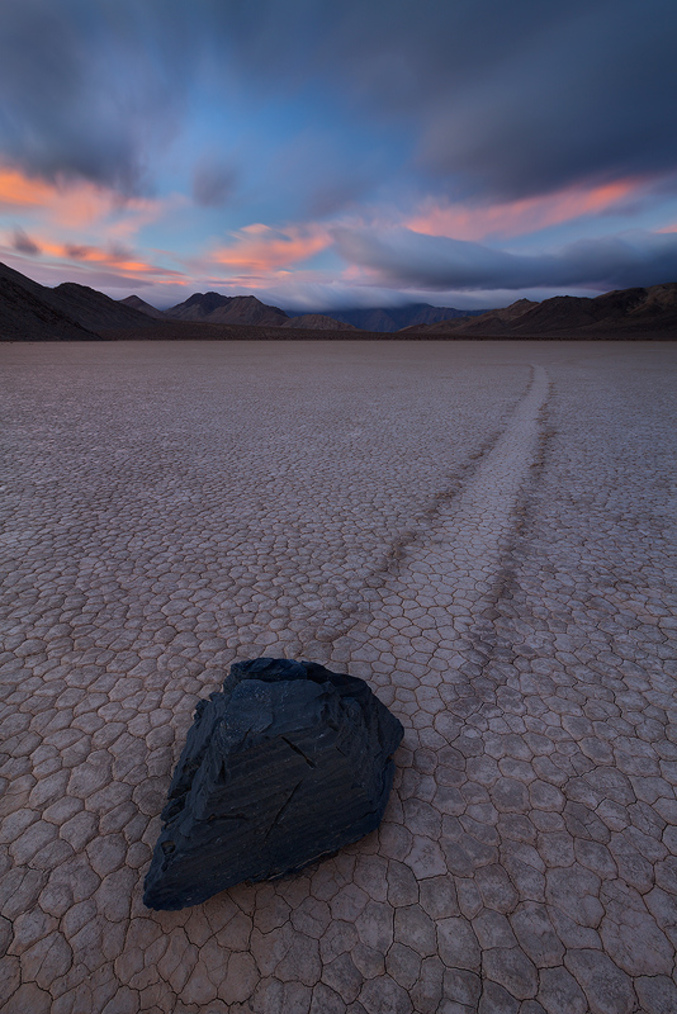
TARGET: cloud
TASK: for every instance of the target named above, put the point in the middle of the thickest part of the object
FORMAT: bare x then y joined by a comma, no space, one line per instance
258,248
19,190
69,257
414,140
583,94
513,218
22,243
120,258
92,90
79,204
401,257
486,99
498,100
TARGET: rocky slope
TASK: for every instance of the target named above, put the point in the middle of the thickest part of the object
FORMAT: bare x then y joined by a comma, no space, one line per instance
26,316
93,309
70,312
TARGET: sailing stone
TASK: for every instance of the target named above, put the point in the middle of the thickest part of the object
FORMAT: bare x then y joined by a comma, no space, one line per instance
286,764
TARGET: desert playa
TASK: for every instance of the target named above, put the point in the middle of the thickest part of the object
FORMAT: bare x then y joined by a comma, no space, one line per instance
483,531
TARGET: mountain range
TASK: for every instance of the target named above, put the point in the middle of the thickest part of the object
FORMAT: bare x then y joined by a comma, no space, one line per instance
213,308
624,313
395,318
71,312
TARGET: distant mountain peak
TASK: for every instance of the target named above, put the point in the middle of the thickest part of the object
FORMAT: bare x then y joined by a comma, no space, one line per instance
207,301
74,312
394,318
137,303
622,313
33,312
214,308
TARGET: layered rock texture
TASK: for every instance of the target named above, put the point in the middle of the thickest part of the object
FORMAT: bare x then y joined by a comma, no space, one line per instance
288,763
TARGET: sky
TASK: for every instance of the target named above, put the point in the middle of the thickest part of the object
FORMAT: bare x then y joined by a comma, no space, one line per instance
321,155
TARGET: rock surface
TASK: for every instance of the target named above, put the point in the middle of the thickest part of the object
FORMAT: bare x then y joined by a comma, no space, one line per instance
286,764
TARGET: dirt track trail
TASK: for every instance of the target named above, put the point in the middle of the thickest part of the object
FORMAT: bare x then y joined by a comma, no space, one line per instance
483,531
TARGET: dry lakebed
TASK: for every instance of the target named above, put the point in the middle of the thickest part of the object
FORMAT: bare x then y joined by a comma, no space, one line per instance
483,531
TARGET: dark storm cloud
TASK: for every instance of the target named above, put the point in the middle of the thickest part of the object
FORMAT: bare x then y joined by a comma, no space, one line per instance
492,98
402,257
500,99
87,89
22,243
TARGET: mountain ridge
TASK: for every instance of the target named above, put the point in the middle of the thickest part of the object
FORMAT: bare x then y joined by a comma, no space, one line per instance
142,306
30,311
213,308
25,314
394,318
632,310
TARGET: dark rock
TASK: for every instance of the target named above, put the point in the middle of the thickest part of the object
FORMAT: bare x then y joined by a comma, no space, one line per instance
288,763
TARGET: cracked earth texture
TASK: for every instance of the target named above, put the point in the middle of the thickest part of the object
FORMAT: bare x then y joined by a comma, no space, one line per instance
482,531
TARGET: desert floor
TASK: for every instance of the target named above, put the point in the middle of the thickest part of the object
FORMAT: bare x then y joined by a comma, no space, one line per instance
482,530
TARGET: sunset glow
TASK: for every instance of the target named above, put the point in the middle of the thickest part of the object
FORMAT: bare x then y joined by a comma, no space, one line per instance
515,218
365,155
259,248
19,190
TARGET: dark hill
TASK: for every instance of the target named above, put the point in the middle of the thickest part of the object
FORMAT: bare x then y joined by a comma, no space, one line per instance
213,308
142,306
71,312
636,312
26,313
92,309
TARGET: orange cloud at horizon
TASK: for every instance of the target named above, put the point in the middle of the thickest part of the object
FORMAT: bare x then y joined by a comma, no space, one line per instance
513,218
109,258
118,260
259,248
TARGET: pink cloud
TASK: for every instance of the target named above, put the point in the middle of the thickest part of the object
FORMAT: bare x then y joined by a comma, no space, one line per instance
20,191
121,260
515,218
80,204
258,248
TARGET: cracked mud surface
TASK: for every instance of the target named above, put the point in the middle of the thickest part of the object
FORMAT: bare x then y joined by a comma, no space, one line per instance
483,531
